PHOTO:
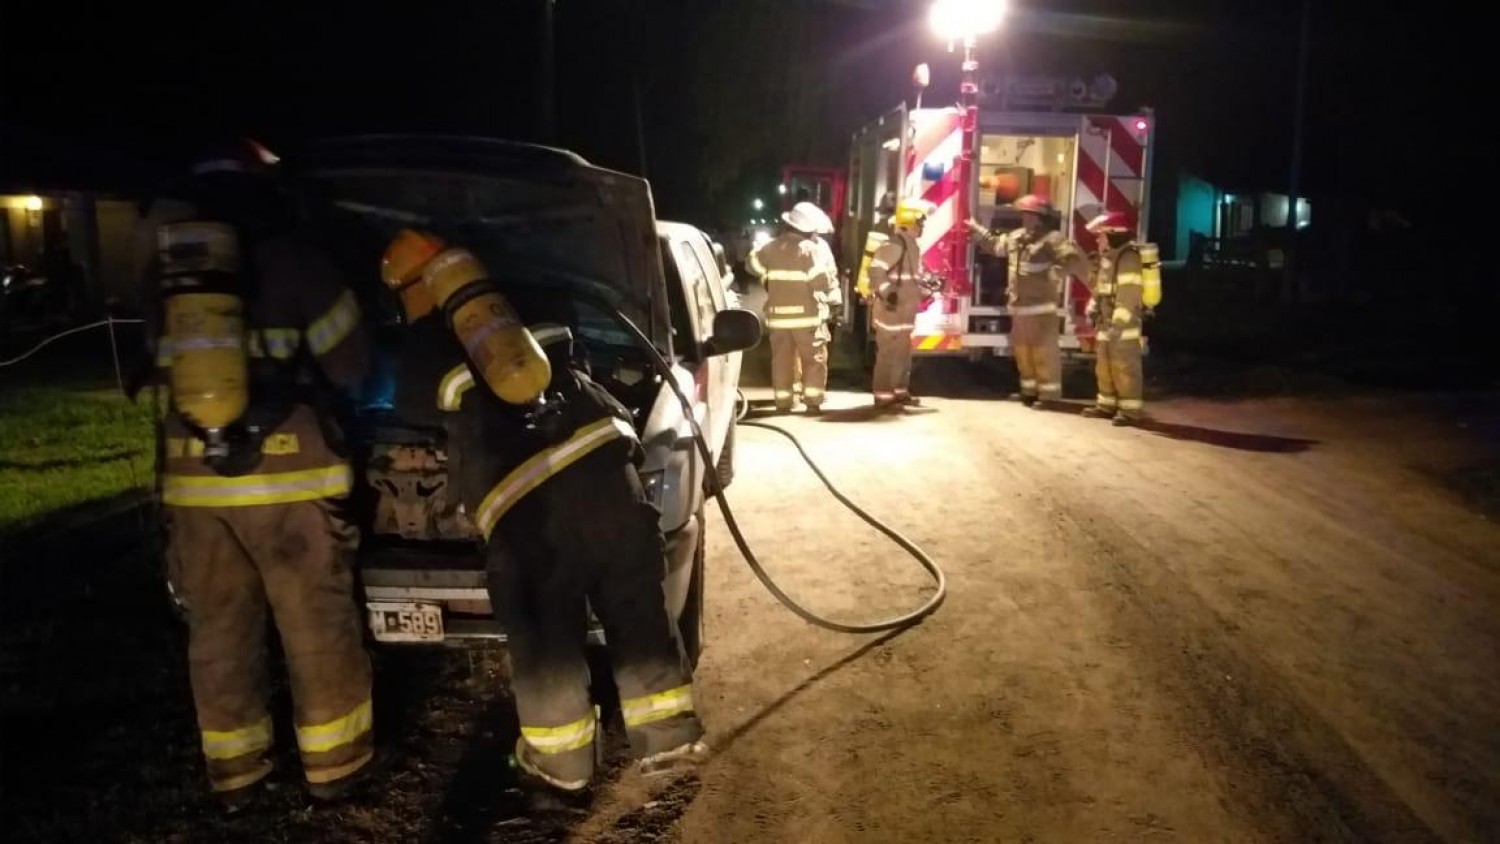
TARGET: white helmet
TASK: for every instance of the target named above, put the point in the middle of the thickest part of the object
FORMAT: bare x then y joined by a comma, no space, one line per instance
808,218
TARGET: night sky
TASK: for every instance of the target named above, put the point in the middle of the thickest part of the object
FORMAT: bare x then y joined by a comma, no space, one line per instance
106,94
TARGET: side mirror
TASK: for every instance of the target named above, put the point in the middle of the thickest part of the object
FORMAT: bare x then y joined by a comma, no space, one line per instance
735,330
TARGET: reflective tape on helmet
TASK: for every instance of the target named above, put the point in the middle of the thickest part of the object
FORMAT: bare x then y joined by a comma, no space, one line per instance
330,329
648,709
451,389
252,490
232,744
551,741
340,732
543,465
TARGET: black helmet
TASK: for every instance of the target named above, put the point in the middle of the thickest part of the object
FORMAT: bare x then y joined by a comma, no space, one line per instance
242,156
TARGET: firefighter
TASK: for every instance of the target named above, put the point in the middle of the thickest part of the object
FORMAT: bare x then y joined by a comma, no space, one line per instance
1115,310
895,270
547,467
879,233
800,287
1037,262
261,341
831,307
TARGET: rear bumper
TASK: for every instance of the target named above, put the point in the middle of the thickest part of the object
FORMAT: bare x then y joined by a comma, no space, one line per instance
457,582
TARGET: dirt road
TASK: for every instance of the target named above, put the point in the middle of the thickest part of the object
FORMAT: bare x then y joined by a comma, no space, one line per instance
1260,620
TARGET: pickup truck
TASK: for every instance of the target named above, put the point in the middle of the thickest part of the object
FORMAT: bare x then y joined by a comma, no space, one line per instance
535,215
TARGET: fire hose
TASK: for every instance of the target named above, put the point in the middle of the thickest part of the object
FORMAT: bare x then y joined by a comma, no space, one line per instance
907,619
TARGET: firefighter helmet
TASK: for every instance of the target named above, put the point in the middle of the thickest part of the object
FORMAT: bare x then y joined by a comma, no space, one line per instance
242,155
808,218
1033,204
910,212
1109,222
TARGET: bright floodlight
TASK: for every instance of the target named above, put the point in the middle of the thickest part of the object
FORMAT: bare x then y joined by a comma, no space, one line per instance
758,204
958,20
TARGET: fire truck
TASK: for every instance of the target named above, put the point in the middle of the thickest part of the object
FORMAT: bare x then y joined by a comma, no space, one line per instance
1032,136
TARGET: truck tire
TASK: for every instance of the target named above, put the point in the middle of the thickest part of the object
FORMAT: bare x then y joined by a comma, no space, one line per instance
690,623
725,467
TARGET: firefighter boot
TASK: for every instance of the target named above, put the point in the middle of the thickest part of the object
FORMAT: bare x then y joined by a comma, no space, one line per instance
1122,421
353,784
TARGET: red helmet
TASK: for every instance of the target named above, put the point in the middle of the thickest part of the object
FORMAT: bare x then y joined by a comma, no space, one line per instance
1033,204
1110,222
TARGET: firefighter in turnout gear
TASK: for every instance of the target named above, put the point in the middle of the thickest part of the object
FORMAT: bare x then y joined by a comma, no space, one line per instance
1115,310
800,288
896,297
552,486
1037,262
832,307
259,343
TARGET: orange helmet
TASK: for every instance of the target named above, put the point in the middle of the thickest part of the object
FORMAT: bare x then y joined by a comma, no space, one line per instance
401,267
1110,222
1032,204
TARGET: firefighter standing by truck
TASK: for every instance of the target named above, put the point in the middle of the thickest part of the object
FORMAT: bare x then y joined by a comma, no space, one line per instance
1037,262
546,462
261,340
897,294
1121,292
799,289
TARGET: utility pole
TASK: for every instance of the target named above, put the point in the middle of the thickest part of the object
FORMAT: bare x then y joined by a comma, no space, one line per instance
546,79
1289,285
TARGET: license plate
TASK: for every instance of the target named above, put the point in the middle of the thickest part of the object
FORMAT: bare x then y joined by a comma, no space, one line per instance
406,622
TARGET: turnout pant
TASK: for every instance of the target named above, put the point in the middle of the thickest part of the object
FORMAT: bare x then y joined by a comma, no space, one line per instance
1118,369
1038,360
807,346
587,538
228,564
892,379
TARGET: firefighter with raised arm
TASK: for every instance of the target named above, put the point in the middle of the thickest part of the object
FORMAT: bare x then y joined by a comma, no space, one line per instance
898,287
1037,262
1125,283
547,469
261,342
799,289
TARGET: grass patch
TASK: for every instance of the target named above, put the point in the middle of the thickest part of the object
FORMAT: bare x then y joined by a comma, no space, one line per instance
63,449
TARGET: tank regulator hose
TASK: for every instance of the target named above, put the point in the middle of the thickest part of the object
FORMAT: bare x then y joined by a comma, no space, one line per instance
940,581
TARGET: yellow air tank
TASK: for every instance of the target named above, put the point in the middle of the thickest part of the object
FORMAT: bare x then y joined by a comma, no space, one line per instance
1150,275
205,324
509,359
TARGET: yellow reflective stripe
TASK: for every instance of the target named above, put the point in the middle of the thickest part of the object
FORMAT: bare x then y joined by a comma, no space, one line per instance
1033,310
547,333
649,709
1131,404
543,465
453,386
343,730
789,275
1124,279
1036,267
250,490
330,329
892,326
794,322
1104,401
232,744
1130,334
552,740
1122,314
876,263
753,264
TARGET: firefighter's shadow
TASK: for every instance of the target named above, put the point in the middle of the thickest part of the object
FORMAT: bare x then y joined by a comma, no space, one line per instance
1238,440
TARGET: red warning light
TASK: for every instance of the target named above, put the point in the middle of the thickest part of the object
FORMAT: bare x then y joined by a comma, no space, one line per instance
1140,125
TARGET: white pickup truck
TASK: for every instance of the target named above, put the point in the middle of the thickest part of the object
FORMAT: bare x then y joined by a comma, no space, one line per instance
542,216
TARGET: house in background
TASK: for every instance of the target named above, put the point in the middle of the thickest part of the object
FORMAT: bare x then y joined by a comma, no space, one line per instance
1211,225
90,236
